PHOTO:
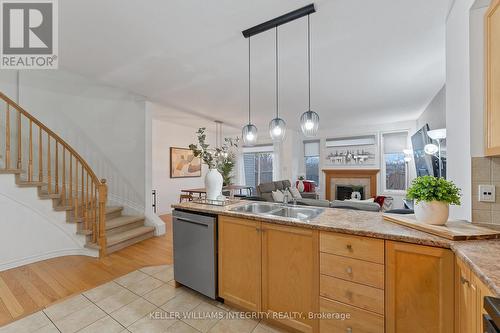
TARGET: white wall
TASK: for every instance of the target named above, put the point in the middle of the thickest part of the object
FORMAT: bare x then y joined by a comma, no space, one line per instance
105,125
464,101
40,232
435,113
166,134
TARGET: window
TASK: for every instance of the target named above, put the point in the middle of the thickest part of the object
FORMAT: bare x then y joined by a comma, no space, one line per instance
311,160
258,167
395,169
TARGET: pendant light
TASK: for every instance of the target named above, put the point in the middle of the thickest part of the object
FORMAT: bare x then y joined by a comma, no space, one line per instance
309,121
249,132
277,126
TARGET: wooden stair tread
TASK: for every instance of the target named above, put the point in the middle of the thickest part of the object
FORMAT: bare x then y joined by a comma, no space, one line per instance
129,234
24,183
122,220
113,209
11,171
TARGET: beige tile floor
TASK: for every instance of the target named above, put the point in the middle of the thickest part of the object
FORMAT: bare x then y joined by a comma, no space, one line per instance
137,302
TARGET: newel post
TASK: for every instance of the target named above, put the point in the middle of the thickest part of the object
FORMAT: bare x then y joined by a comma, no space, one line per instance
103,197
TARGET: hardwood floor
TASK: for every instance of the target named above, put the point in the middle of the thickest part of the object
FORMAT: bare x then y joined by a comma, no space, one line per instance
30,288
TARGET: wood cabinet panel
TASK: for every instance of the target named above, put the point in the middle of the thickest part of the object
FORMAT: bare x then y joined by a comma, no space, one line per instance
361,296
290,274
492,84
364,248
240,262
359,321
419,289
465,304
353,270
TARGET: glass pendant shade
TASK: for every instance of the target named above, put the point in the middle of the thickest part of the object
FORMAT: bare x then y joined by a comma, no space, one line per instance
309,123
249,134
277,129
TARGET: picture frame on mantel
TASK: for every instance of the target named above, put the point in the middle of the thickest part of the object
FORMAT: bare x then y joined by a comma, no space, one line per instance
183,163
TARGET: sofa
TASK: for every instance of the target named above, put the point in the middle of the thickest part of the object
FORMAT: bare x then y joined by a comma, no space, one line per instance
264,192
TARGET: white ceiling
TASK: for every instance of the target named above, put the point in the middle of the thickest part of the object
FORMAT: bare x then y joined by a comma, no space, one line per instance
373,61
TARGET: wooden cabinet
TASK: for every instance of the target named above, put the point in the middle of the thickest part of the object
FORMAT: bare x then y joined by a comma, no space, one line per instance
270,268
492,84
240,262
469,295
290,274
419,291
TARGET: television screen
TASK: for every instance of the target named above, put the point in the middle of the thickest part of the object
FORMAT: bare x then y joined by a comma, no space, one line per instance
423,162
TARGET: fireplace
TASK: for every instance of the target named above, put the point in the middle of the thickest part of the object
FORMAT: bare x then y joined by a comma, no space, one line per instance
344,192
340,183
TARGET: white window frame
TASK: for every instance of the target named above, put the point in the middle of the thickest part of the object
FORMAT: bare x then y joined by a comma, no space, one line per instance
261,149
382,162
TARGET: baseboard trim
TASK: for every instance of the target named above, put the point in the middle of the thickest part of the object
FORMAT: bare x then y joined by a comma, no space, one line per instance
48,255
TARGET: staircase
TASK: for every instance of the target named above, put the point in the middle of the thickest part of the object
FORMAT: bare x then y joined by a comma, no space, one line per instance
40,158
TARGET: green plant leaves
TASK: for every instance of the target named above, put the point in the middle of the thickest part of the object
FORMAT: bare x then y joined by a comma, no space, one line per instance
429,188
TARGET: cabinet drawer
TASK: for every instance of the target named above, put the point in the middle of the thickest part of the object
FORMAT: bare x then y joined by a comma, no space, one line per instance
363,248
361,296
359,321
353,270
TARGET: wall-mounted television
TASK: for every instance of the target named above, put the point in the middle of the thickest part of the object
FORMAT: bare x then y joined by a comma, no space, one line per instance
425,165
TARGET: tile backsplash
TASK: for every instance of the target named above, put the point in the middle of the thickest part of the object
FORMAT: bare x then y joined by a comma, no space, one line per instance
485,171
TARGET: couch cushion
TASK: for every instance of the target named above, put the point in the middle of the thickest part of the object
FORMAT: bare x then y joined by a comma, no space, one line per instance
267,196
279,185
313,202
266,188
367,206
286,183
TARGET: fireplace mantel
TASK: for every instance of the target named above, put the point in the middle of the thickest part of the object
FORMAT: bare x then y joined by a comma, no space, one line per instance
350,173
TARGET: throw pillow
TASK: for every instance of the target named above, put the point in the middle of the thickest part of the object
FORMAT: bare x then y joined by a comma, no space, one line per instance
278,196
295,193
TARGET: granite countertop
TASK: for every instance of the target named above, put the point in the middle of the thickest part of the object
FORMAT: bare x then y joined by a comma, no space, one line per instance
482,256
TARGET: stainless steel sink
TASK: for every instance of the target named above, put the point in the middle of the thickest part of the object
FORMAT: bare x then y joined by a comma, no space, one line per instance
257,208
268,209
299,213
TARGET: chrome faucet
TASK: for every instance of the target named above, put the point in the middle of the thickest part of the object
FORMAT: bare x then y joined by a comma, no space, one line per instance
285,199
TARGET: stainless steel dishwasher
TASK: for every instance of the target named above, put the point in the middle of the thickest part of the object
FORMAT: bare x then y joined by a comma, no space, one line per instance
195,251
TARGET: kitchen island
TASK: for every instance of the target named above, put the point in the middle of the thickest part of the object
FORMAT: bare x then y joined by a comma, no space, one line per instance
387,277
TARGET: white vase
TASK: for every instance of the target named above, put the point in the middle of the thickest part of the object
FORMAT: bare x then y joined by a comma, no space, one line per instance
300,186
213,184
432,212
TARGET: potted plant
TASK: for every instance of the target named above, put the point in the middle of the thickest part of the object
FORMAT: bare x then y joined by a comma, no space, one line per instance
213,157
433,197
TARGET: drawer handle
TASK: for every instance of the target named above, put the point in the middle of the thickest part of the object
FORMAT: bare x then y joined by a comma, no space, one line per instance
349,247
349,270
464,280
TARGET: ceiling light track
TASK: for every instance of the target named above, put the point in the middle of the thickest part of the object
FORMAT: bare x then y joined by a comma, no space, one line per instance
280,20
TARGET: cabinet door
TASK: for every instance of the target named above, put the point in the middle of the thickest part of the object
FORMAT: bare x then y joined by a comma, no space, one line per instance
290,274
419,289
240,262
492,84
481,292
465,300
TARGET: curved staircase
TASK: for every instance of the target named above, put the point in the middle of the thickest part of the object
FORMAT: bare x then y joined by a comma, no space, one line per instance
40,158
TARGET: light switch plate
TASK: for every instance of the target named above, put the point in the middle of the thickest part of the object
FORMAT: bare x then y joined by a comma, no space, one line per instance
487,193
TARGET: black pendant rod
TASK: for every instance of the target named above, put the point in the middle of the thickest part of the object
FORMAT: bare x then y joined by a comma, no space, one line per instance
308,58
277,76
288,17
249,86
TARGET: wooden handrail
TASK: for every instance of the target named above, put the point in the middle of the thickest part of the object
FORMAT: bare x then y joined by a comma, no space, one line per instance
86,195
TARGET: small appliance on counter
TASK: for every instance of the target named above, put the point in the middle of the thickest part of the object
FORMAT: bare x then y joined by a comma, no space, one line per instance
491,319
195,255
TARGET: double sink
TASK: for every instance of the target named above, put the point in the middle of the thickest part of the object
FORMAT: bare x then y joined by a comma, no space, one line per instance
302,214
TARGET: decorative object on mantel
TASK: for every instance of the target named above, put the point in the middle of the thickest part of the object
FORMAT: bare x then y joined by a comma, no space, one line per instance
352,151
300,184
453,230
183,163
213,158
433,196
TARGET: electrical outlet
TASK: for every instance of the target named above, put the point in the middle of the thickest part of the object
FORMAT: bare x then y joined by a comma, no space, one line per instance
487,193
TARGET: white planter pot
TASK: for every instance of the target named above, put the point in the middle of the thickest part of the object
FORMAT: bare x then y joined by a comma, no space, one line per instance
432,212
300,186
213,184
